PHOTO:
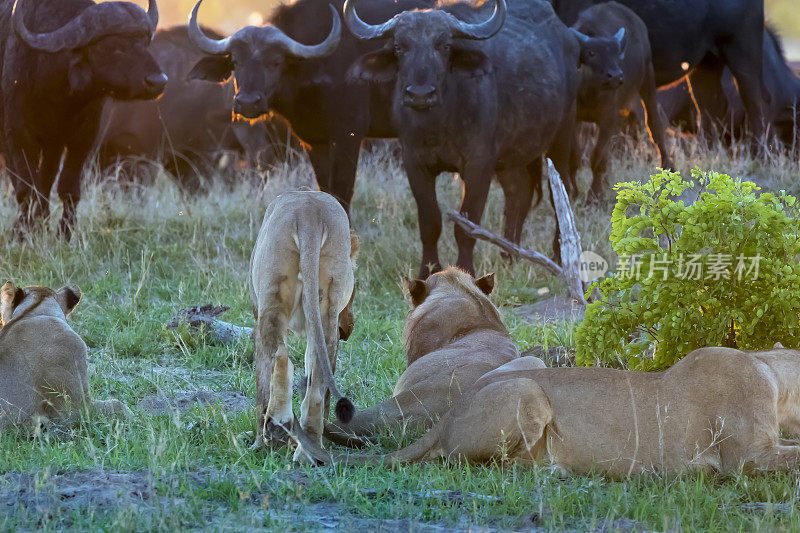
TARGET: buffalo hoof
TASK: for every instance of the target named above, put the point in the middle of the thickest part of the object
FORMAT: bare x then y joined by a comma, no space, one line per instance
592,199
65,230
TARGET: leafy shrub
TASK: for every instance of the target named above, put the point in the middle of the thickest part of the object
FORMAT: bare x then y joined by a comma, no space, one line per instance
649,320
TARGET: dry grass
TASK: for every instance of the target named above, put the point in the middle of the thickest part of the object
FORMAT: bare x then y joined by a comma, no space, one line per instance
141,253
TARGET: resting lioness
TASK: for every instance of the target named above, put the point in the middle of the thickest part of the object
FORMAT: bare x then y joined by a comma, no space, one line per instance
454,335
301,278
42,360
718,409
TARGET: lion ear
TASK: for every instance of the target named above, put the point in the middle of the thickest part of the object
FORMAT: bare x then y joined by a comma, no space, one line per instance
486,283
68,298
417,290
10,297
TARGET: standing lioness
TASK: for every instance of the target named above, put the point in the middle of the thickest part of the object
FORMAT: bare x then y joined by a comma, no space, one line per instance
42,360
301,278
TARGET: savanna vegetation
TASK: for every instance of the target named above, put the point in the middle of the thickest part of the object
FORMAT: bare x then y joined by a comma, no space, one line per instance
141,253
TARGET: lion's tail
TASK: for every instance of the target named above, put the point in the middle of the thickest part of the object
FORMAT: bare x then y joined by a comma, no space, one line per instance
422,448
309,248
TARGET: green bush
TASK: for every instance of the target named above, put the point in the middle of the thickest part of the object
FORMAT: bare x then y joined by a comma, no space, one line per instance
747,293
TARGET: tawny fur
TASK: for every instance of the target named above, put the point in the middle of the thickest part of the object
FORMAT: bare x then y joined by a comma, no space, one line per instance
43,369
301,278
718,409
454,335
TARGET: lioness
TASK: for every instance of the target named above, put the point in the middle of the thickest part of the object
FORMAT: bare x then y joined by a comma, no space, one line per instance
718,409
454,335
42,360
301,278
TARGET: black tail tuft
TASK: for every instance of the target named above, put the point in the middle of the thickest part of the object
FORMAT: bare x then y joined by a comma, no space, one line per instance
345,410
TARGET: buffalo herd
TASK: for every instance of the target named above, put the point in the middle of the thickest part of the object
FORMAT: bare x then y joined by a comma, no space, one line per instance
483,89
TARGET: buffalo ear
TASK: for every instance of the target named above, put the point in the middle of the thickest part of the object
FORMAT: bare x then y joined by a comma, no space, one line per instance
68,298
417,290
79,74
10,297
622,41
486,283
212,68
472,61
375,67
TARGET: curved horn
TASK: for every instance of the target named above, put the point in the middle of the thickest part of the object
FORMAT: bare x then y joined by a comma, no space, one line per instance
201,40
93,22
322,49
152,16
361,29
481,30
45,42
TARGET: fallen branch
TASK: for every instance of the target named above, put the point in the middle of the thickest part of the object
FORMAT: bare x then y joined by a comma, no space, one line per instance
206,316
516,251
570,239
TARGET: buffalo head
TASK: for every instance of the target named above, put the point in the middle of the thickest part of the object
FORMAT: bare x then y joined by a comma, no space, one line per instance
257,57
423,46
602,57
107,47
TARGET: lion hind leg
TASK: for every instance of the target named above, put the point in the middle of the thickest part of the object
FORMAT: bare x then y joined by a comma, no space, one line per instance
779,458
504,420
279,408
269,334
312,410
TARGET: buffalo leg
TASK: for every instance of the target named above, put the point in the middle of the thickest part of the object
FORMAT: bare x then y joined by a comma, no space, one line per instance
69,190
69,184
343,176
429,217
477,181
23,166
320,156
609,127
744,56
653,122
518,188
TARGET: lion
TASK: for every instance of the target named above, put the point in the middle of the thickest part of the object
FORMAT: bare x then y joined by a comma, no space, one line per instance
454,335
43,367
718,409
301,278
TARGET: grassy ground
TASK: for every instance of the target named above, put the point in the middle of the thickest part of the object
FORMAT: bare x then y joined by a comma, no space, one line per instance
140,254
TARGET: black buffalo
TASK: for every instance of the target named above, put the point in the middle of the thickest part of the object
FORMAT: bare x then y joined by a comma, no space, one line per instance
188,125
683,32
616,75
722,109
61,58
477,96
305,83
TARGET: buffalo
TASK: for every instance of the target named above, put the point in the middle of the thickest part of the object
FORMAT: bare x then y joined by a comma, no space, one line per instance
616,75
683,32
188,125
61,58
721,104
305,83
476,93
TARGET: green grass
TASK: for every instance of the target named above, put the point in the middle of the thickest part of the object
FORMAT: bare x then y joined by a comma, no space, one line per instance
139,255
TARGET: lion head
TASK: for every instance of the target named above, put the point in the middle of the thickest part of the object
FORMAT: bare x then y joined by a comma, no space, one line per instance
445,307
